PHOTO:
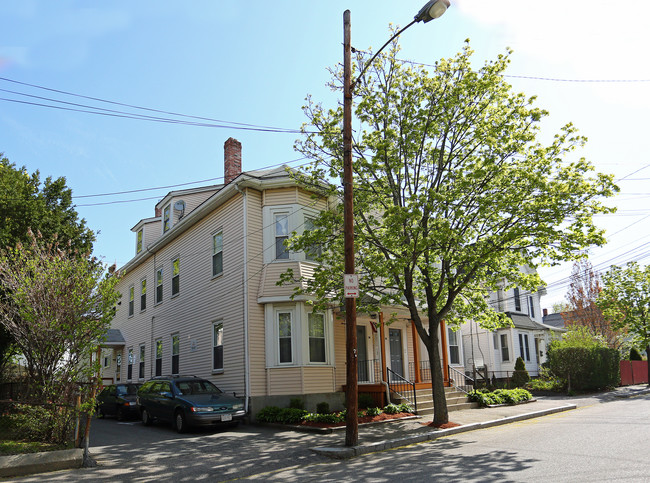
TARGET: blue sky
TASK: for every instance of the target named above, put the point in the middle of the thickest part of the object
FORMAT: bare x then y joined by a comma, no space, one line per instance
254,62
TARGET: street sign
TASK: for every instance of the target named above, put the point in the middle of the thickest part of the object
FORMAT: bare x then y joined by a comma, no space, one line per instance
351,285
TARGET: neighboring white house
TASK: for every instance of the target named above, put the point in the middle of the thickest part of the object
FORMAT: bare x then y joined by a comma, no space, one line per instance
528,337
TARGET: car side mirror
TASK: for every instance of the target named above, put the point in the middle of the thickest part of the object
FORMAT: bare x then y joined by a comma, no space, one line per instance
167,394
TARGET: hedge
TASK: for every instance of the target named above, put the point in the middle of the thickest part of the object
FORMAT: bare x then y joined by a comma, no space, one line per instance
586,368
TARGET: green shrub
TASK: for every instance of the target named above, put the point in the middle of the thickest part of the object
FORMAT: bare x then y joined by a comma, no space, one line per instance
366,400
500,396
405,408
635,355
586,368
545,385
323,408
326,418
273,414
391,409
520,377
296,403
373,412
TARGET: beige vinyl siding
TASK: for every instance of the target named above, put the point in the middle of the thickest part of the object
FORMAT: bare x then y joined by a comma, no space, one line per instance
201,301
191,200
319,380
256,329
285,380
271,274
152,231
280,196
305,199
339,349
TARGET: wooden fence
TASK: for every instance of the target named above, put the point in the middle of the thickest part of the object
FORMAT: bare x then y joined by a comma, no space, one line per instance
634,372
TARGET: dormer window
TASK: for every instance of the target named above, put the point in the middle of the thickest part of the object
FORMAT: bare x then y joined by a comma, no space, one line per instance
138,240
167,218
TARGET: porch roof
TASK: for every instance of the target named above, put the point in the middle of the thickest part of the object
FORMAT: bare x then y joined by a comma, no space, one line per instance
524,322
114,338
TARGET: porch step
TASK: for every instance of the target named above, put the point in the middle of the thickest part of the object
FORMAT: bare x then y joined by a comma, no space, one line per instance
456,400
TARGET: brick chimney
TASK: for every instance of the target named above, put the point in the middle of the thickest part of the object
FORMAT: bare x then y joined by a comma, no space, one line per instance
231,159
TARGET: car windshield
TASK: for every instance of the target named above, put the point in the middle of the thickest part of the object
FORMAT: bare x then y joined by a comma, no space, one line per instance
187,388
129,389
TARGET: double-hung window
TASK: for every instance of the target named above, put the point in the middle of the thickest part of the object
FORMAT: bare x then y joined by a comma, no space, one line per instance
217,346
118,366
143,294
524,349
138,240
285,326
141,361
281,235
129,367
517,301
159,285
505,355
176,351
159,355
217,254
454,349
531,306
316,324
176,274
131,300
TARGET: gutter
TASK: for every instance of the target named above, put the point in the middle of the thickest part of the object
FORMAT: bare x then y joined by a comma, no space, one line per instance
247,379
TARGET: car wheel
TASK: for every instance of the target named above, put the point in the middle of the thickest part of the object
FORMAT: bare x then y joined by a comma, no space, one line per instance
180,422
146,417
119,414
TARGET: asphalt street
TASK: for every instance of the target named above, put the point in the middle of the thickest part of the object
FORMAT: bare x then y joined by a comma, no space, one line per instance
604,439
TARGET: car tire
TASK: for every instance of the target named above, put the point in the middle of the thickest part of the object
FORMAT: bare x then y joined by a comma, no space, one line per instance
180,422
119,414
146,417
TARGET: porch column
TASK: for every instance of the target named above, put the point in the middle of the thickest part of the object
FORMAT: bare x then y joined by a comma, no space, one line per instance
382,344
445,357
416,351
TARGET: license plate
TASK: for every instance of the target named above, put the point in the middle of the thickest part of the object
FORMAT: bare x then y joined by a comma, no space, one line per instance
226,417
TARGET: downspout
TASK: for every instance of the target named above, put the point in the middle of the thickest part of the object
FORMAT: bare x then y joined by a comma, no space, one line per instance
151,348
247,388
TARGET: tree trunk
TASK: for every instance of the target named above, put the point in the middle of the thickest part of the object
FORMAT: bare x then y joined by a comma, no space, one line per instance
440,413
647,358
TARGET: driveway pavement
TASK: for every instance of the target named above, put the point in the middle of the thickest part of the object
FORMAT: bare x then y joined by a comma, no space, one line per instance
129,451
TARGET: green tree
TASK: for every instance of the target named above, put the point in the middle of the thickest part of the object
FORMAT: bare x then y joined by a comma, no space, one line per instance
57,306
520,377
625,300
453,194
584,288
26,203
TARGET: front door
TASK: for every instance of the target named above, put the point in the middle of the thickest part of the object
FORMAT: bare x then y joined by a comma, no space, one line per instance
395,340
363,372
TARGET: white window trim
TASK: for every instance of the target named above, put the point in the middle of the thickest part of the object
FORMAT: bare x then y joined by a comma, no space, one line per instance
223,360
214,234
171,280
326,336
171,218
144,279
458,344
156,285
171,352
141,230
130,312
142,360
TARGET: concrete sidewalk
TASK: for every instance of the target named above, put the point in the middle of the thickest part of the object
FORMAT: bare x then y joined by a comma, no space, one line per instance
382,436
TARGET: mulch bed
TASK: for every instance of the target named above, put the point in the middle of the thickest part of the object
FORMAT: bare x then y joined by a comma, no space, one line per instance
441,426
362,420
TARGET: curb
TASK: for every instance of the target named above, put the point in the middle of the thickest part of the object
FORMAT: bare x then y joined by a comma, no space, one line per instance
351,452
30,463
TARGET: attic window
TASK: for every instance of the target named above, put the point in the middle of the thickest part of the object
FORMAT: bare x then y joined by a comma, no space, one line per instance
138,243
167,218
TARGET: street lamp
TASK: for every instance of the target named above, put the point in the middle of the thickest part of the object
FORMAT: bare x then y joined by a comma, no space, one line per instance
431,10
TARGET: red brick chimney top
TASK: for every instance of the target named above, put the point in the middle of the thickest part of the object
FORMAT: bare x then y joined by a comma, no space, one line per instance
231,159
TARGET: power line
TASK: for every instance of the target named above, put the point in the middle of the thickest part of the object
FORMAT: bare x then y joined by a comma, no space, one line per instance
132,106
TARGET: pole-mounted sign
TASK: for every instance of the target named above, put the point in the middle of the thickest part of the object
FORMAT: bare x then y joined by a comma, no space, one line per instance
351,285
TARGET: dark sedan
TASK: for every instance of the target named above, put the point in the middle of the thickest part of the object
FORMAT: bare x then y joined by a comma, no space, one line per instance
118,400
